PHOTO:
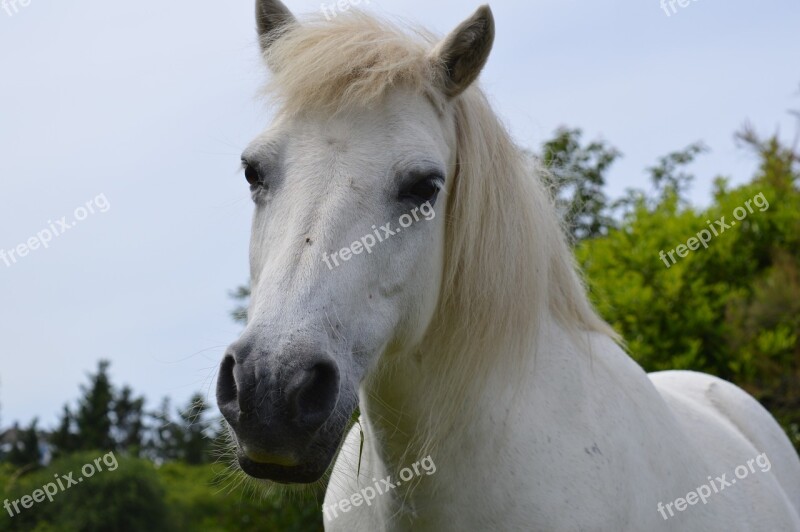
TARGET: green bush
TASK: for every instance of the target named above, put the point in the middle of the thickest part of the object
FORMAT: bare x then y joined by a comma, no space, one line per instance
128,498
202,498
138,496
733,309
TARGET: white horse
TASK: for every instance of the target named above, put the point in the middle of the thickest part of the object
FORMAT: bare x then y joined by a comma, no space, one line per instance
406,260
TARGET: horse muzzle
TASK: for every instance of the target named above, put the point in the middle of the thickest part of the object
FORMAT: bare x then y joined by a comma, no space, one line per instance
280,410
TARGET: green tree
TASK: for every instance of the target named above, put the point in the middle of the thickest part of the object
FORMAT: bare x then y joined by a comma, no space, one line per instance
577,176
669,176
242,295
93,418
730,309
64,440
129,424
26,452
166,436
104,419
669,179
196,437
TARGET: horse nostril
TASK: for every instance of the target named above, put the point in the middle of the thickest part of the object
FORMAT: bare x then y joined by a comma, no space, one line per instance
312,394
227,393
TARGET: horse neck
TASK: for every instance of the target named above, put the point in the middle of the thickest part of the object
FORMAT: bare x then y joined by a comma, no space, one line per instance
483,441
487,359
398,404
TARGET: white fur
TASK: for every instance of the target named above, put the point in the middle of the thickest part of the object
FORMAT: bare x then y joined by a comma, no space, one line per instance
469,338
589,443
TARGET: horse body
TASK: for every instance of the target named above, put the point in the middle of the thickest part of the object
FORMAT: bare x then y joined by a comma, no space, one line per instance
591,443
466,338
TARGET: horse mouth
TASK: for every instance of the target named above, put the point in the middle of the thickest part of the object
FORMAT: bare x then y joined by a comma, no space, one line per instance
305,466
263,458
282,474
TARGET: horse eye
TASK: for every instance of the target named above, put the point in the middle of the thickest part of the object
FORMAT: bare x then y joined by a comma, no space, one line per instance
424,190
252,175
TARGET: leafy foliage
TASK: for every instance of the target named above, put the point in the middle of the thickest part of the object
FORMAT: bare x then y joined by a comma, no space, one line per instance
138,496
202,499
242,295
104,419
129,498
731,309
26,453
577,175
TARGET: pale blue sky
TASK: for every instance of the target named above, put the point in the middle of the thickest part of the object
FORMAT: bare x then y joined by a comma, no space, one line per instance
151,104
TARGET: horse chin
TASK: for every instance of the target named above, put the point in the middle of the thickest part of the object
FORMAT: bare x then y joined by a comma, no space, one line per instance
306,469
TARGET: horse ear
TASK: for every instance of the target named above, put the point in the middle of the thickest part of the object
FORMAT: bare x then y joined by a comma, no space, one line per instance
463,54
272,17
